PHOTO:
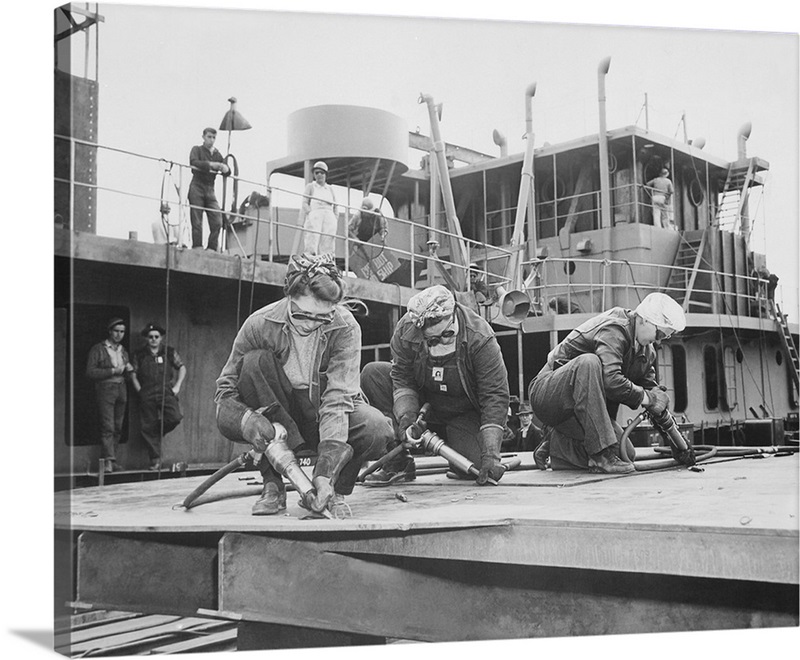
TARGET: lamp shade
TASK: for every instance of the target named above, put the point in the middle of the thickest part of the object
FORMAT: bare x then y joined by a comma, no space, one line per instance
233,120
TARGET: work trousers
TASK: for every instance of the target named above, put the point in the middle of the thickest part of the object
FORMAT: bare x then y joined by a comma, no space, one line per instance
319,232
150,410
111,401
263,384
572,401
460,431
203,198
661,212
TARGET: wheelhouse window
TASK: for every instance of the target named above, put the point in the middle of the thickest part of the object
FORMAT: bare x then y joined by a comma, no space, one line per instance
711,377
729,367
672,373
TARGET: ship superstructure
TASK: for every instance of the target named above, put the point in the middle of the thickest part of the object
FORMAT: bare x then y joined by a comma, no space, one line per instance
537,242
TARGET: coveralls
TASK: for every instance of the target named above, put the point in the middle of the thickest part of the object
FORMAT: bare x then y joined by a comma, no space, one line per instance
332,407
156,374
320,222
578,391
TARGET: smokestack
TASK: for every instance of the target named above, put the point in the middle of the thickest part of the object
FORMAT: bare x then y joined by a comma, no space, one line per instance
500,141
744,133
605,184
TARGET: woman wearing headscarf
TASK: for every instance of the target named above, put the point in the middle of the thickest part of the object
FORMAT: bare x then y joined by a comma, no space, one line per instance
607,360
446,355
296,362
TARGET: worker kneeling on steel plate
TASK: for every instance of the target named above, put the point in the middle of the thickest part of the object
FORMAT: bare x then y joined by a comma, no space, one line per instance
296,363
606,361
447,356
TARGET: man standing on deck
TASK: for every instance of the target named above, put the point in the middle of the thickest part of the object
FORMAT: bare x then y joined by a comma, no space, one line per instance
661,190
608,360
107,365
206,161
158,373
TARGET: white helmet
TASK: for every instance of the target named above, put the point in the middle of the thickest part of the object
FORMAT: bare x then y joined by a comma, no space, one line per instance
320,165
662,311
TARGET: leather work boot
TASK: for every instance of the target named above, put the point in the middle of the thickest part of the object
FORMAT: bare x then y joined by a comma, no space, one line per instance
391,474
541,455
460,476
608,461
272,500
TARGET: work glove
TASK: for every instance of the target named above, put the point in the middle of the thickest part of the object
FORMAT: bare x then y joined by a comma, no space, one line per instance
406,410
318,499
490,440
684,457
665,423
258,431
658,401
332,456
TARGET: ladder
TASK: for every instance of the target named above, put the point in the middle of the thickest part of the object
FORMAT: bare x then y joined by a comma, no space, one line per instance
733,196
682,281
786,339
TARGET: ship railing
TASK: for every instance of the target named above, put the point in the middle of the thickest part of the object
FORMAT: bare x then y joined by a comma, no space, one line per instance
429,254
631,203
584,285
131,186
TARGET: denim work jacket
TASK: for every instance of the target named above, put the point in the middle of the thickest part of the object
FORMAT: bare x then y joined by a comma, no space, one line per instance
480,366
611,336
99,366
335,382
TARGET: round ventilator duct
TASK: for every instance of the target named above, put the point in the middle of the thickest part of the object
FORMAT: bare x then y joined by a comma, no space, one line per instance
357,143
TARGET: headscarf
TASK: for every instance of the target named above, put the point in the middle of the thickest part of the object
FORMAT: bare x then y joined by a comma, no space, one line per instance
435,302
311,265
662,311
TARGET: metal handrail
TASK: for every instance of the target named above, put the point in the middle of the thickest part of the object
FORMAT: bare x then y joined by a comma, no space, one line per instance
442,236
589,283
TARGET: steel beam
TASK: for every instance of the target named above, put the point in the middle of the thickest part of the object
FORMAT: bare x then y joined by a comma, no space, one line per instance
146,575
746,555
299,584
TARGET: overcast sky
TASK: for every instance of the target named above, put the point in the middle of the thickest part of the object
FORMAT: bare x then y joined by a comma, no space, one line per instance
165,73
161,83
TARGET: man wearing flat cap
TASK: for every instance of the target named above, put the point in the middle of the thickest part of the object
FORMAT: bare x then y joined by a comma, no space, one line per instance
158,374
107,365
606,361
446,355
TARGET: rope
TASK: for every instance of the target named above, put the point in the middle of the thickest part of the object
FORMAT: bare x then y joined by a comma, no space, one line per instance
164,208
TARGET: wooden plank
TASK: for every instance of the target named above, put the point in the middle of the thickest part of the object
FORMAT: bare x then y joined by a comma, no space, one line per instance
127,640
145,575
295,584
101,629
